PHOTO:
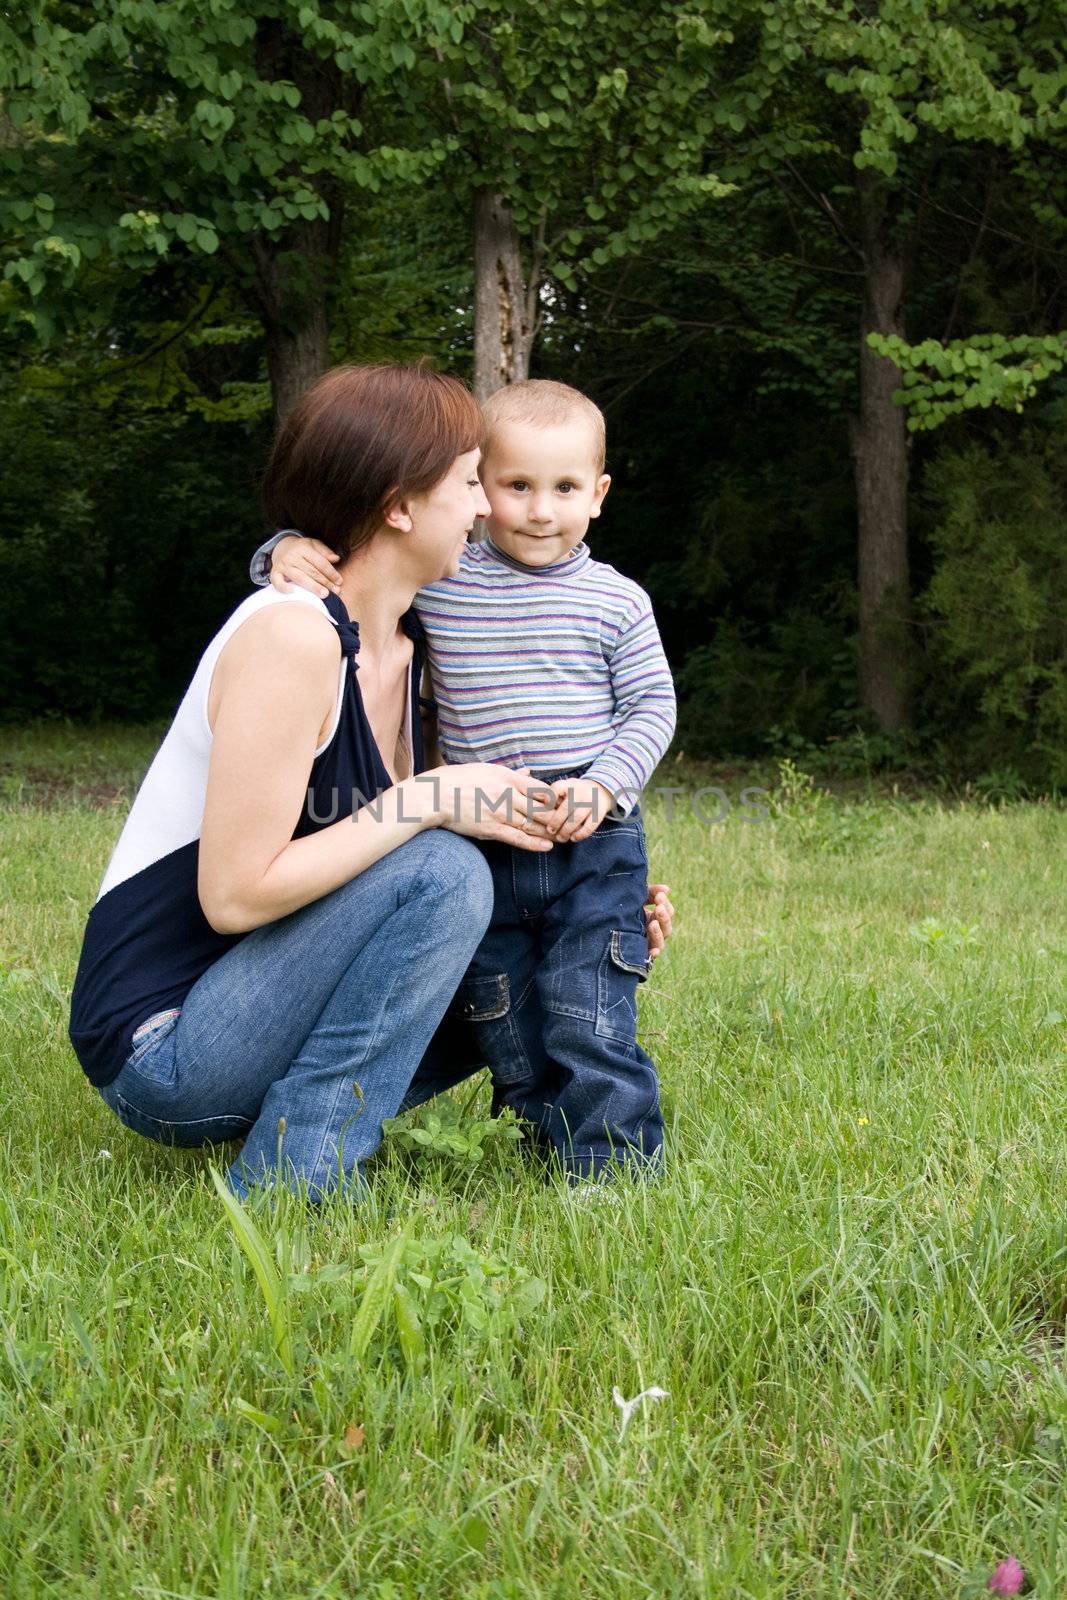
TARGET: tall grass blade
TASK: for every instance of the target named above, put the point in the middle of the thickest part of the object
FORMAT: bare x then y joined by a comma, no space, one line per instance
255,1248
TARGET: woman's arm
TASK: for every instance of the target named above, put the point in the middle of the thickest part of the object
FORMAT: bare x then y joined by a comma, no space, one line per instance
271,699
291,560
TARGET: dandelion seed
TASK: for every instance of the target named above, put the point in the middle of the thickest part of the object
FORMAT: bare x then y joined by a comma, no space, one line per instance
1008,1578
627,1407
104,1155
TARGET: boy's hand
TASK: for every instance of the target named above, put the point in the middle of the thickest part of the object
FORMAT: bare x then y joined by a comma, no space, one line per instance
307,563
659,918
582,805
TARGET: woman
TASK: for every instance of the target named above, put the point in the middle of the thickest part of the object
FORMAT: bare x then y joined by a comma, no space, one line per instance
270,956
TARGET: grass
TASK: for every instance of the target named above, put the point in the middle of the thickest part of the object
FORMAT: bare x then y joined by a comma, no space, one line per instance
852,1281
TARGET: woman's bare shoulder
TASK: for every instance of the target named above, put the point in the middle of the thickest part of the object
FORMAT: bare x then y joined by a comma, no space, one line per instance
290,651
294,633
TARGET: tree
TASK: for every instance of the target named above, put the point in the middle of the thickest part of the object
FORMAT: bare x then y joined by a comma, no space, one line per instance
232,137
943,378
566,155
910,79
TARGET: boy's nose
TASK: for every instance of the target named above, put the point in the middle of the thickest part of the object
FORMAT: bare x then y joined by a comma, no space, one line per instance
540,511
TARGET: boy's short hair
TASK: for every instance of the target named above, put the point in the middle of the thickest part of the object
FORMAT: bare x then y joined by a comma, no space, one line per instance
545,404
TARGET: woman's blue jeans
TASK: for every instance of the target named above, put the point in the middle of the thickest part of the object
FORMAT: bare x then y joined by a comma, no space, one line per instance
325,1019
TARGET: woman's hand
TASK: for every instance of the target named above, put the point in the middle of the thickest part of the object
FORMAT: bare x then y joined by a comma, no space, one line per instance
304,564
484,801
659,918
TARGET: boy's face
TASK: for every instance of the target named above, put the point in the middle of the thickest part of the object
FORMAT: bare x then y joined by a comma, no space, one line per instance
543,486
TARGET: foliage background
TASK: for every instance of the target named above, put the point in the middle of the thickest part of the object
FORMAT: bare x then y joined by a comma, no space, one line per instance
721,335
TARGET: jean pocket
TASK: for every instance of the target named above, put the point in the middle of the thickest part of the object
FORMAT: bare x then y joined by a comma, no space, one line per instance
146,1041
624,964
485,1002
482,999
621,847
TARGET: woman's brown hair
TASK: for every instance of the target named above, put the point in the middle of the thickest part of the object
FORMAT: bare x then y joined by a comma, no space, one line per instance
358,441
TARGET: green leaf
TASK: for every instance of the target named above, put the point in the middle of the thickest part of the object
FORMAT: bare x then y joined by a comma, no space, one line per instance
263,1419
254,1246
474,1531
528,1295
409,1329
375,1297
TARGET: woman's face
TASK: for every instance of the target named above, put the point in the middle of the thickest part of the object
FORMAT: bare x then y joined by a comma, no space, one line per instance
442,518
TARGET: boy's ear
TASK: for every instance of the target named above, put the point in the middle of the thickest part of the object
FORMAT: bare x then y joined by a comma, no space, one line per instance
603,484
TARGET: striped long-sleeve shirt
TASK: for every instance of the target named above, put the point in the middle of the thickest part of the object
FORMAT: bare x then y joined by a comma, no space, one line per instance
551,668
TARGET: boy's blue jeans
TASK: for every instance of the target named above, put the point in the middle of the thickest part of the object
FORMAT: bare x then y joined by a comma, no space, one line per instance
327,1018
551,993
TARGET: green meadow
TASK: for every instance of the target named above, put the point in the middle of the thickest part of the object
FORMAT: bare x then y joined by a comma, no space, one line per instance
851,1281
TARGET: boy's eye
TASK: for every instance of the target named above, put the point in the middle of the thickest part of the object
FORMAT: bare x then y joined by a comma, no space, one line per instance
520,483
565,487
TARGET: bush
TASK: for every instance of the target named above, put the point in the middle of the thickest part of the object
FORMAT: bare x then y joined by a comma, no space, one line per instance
124,542
997,596
736,693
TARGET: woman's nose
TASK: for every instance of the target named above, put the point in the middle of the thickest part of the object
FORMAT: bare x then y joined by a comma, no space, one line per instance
482,508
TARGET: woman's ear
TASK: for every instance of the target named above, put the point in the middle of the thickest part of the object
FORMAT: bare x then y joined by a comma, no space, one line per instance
397,515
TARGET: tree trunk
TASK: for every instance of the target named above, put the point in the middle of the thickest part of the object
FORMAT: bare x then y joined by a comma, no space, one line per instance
880,449
504,303
292,282
296,356
295,272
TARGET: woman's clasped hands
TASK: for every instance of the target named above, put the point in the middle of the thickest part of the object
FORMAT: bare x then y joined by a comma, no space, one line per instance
483,800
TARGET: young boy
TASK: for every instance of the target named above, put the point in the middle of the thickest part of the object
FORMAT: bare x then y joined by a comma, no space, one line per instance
542,658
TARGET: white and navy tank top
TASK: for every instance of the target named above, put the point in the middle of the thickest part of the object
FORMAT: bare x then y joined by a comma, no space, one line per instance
147,940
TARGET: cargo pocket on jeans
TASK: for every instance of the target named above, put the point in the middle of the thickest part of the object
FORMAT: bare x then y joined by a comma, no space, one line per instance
482,999
485,1002
624,964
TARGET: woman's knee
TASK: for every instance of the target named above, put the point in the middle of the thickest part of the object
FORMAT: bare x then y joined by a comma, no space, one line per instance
439,866
457,868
